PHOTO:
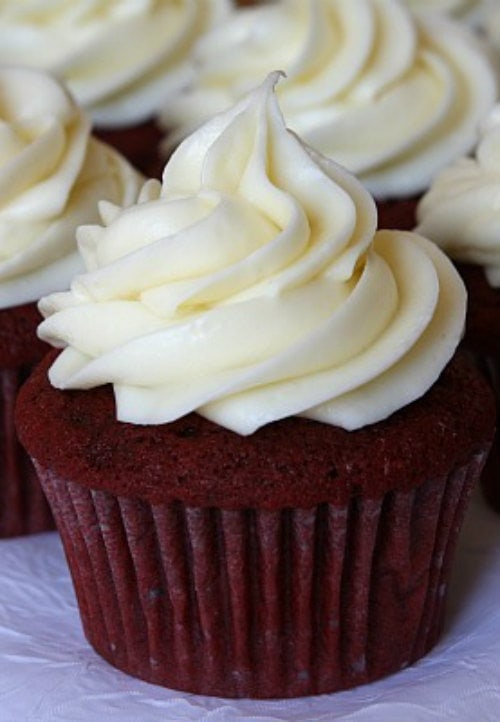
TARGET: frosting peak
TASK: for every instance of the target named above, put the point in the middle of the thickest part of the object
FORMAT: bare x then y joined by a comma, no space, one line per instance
250,285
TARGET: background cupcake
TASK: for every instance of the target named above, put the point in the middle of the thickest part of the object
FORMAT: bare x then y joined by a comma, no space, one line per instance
471,11
118,58
268,503
461,212
392,97
52,175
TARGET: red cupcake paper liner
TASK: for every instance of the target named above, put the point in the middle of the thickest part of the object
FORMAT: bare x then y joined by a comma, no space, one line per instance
259,603
23,506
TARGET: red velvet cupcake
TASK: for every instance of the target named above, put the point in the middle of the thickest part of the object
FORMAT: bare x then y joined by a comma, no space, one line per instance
267,501
53,174
460,213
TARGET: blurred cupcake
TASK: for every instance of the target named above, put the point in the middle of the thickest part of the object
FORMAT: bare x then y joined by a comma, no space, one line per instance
469,11
461,213
392,98
52,175
268,503
491,31
118,58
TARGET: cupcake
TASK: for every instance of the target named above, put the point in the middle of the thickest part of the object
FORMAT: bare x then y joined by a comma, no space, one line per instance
491,30
391,97
470,11
256,437
52,174
461,213
118,58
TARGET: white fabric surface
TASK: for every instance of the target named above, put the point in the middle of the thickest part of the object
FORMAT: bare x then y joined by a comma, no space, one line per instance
48,673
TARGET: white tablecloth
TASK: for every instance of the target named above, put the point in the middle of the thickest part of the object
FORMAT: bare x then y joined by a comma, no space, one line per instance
49,673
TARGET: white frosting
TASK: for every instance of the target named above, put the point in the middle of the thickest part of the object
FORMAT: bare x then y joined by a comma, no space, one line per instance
251,286
52,175
391,98
461,211
118,57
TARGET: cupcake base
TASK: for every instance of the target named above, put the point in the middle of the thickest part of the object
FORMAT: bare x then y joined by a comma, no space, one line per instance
300,560
258,603
23,506
490,478
482,342
400,214
138,144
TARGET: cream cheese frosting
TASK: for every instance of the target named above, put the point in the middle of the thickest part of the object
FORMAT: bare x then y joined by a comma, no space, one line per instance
391,97
251,285
52,175
117,57
461,211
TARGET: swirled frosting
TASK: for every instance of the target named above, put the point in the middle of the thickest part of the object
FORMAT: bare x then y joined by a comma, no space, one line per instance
52,175
390,97
461,211
118,57
251,286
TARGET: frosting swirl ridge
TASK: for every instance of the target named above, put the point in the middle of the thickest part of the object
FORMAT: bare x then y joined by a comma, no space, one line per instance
52,175
250,286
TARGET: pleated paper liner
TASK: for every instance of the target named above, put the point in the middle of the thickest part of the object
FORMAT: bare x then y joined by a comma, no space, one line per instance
260,603
23,506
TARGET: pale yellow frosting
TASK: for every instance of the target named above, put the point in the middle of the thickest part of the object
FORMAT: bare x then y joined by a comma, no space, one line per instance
461,211
118,57
52,175
390,97
250,286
